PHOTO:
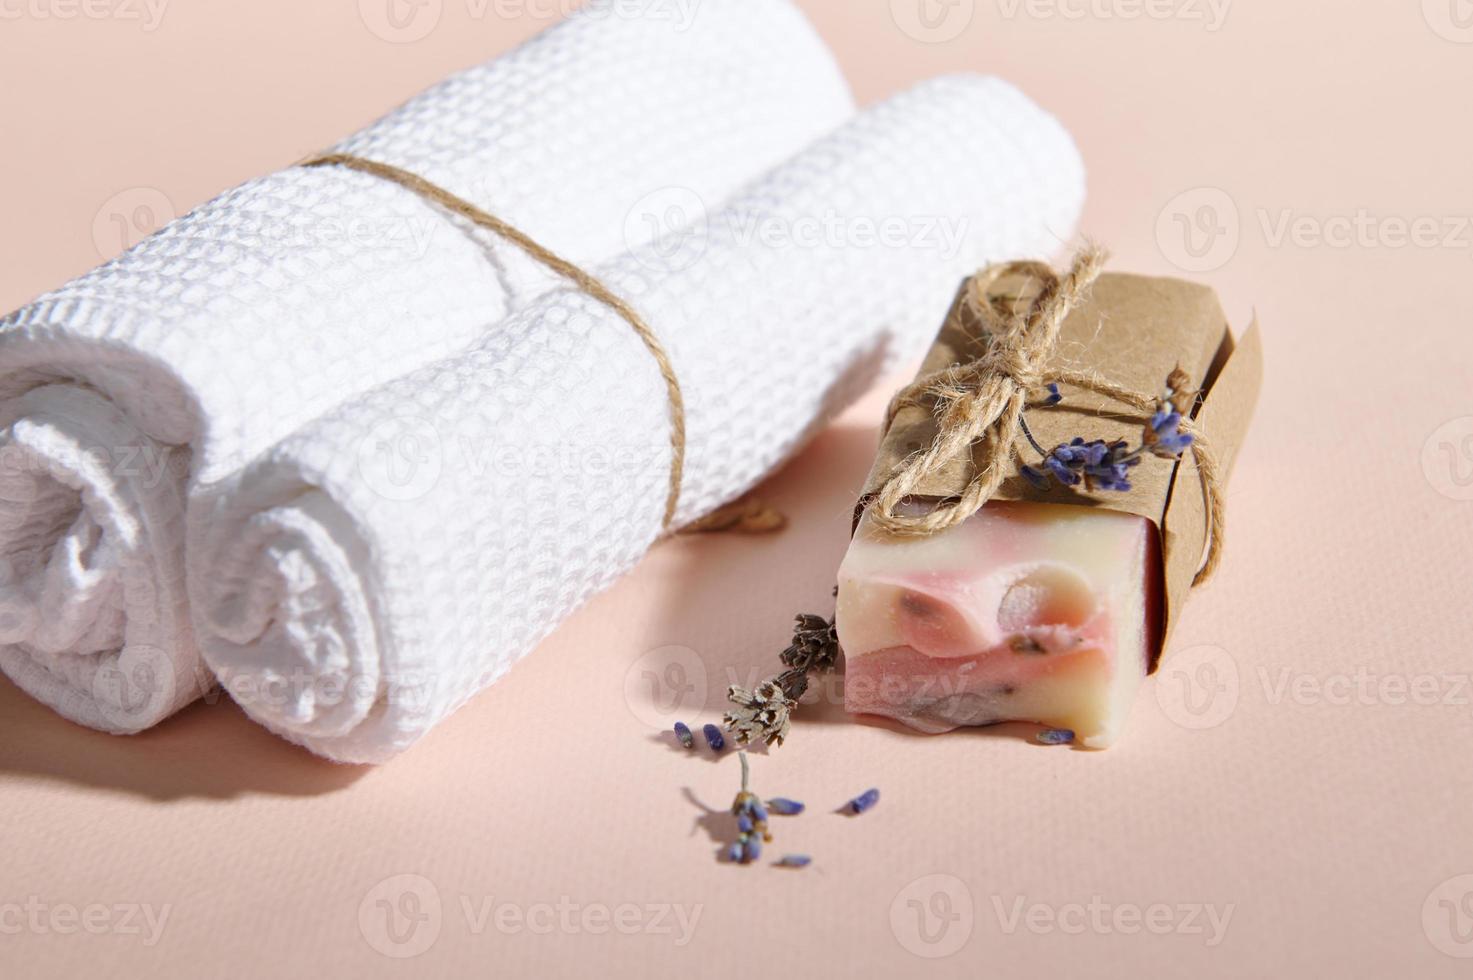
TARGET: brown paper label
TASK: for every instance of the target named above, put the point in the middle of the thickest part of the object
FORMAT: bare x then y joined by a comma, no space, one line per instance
1131,330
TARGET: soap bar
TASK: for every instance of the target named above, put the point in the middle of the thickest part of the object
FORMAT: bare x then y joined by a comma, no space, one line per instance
1051,602
1033,612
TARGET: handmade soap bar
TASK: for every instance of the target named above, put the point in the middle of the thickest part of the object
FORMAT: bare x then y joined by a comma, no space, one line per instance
1024,612
1054,600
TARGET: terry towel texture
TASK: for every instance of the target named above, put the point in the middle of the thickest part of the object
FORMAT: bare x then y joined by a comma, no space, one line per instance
363,578
124,392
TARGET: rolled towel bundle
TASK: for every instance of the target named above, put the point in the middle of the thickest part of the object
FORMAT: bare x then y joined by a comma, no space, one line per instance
169,368
373,571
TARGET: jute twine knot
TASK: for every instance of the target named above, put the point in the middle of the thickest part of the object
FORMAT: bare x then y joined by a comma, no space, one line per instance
980,404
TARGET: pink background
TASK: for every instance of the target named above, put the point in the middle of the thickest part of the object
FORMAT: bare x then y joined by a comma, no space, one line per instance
1303,757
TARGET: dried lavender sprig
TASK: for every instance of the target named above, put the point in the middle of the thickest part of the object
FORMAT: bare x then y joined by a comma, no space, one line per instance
765,713
1106,465
1097,464
815,644
751,821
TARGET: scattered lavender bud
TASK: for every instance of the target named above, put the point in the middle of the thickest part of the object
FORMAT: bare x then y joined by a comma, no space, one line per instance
682,732
865,800
713,738
795,861
784,807
1055,736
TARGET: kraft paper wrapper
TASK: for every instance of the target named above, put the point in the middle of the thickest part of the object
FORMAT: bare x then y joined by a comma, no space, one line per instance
1131,330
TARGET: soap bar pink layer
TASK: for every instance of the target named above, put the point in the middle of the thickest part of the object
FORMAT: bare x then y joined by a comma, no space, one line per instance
1026,612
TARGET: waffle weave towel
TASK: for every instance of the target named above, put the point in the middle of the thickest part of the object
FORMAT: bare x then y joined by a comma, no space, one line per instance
124,392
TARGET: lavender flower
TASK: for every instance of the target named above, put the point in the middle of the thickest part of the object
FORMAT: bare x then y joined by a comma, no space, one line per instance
1164,435
1061,463
682,732
864,801
795,861
1101,465
751,822
1055,736
713,738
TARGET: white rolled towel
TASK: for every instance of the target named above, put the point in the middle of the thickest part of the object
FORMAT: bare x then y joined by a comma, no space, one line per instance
167,369
373,571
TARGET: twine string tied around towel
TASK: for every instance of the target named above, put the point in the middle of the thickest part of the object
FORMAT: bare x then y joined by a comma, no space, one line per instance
742,516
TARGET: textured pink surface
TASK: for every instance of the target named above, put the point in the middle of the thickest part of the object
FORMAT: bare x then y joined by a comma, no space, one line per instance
1302,757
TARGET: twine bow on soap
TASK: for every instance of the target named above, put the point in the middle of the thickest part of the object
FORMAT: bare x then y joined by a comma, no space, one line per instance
980,404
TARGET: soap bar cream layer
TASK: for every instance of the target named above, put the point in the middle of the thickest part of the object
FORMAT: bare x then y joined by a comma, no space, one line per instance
1025,612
